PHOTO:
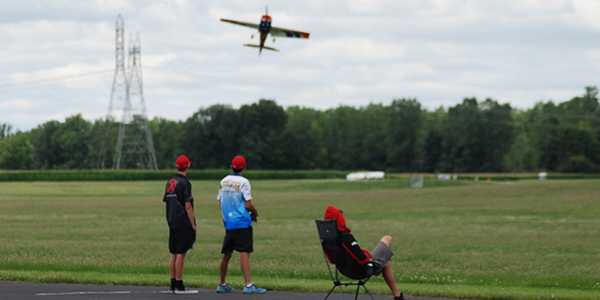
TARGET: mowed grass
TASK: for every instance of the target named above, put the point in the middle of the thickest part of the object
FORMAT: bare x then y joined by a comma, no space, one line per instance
524,240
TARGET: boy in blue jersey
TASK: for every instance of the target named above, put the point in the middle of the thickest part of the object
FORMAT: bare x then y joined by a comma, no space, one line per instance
238,213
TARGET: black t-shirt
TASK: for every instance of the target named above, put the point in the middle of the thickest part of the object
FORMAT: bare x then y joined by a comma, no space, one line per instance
177,193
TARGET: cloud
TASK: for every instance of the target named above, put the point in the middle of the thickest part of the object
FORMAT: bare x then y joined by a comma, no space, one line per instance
439,51
588,10
158,60
70,70
17,105
353,49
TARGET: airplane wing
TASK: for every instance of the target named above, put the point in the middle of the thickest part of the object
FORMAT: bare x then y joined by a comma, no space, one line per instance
251,25
277,31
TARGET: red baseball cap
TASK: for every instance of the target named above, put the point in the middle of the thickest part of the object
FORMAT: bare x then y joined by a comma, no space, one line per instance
182,162
238,162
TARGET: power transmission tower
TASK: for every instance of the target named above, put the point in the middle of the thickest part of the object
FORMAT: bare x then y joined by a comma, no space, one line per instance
134,144
119,89
134,148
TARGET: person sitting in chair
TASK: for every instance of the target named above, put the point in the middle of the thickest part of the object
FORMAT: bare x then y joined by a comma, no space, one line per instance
359,263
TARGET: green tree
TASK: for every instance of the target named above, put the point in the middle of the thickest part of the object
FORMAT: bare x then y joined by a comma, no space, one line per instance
102,143
210,138
343,133
16,152
62,146
303,139
371,138
522,156
47,151
73,139
167,141
433,136
477,136
5,130
566,135
261,126
402,132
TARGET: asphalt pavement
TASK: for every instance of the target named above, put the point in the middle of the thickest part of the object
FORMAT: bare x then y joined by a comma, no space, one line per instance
50,291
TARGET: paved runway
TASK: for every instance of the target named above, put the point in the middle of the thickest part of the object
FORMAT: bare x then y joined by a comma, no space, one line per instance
46,291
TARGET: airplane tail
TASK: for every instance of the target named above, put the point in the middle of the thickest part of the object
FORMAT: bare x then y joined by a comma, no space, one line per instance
258,46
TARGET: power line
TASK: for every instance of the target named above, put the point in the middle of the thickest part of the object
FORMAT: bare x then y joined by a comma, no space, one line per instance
229,79
38,49
287,88
16,84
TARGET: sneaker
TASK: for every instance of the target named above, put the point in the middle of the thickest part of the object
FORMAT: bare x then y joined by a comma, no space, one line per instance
224,288
399,298
182,290
172,287
253,290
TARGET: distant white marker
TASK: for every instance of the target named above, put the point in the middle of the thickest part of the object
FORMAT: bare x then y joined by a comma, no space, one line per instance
83,293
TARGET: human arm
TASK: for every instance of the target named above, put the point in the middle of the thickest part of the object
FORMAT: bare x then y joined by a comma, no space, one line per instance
189,203
250,207
190,212
350,244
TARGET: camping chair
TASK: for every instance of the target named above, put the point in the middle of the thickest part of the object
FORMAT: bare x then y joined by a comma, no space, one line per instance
328,233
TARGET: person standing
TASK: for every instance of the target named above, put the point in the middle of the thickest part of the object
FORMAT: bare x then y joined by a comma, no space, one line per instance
182,224
238,213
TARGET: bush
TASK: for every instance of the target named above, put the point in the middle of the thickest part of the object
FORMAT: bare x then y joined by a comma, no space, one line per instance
121,175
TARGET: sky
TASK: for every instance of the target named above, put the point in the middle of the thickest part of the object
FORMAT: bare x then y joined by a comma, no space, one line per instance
57,58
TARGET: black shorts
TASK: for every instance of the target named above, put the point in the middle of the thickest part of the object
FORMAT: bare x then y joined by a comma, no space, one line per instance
237,239
181,240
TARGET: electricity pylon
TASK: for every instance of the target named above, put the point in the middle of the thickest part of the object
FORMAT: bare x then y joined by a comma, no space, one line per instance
134,148
134,145
119,89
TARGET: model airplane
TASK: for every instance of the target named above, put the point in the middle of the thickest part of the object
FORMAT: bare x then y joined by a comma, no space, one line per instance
264,28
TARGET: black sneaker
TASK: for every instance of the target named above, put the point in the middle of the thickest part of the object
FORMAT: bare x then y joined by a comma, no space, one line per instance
399,298
184,291
180,289
172,287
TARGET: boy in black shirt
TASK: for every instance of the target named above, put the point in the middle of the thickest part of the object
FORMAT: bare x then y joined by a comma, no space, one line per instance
182,224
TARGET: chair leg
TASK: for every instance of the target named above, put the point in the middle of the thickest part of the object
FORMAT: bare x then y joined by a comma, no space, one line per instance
331,290
368,292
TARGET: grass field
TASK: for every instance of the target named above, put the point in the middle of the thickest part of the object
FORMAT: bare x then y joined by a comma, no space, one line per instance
524,240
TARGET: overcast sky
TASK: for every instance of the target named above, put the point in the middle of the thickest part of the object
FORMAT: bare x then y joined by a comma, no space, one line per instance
57,57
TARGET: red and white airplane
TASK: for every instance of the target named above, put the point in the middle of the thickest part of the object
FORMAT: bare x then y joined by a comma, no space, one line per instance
265,28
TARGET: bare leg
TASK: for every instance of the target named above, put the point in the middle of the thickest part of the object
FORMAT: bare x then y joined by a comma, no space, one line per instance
388,276
387,240
179,260
245,262
224,264
172,261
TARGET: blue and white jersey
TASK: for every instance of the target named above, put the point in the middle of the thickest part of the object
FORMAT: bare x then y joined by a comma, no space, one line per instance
234,191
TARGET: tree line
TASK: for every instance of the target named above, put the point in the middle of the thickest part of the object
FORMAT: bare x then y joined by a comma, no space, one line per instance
472,136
